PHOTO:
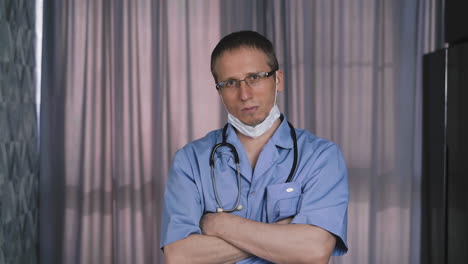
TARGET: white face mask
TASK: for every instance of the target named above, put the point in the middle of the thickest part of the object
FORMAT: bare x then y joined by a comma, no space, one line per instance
260,129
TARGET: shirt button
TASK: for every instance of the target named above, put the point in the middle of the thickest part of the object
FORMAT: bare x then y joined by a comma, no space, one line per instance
252,194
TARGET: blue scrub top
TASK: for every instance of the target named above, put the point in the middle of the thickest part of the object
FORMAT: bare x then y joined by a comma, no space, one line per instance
318,194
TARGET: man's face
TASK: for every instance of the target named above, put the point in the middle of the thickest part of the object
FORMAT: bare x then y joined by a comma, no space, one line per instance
251,105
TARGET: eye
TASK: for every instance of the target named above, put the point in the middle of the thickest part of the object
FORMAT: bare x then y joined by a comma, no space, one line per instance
221,84
230,83
255,76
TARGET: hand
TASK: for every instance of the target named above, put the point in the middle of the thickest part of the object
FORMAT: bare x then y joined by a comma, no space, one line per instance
284,221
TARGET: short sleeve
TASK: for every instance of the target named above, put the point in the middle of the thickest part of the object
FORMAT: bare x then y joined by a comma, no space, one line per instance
324,201
182,208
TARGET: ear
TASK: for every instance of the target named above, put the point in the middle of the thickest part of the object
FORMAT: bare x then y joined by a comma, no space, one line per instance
279,80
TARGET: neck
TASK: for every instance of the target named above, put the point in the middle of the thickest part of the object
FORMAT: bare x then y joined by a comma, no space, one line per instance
253,146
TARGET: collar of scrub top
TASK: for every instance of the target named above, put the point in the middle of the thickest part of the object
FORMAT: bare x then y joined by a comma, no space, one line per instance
282,137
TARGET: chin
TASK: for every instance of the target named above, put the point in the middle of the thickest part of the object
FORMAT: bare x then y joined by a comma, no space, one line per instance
253,123
251,120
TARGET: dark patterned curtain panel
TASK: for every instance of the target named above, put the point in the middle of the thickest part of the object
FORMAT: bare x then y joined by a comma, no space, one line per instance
18,137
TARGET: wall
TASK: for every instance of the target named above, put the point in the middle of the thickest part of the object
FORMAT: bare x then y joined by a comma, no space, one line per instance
18,137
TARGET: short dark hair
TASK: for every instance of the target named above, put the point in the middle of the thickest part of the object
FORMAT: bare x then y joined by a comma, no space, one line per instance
246,38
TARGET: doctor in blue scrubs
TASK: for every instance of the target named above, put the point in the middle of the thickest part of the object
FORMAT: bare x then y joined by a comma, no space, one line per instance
286,199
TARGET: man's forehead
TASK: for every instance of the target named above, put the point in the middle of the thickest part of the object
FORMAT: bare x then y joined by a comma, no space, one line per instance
241,60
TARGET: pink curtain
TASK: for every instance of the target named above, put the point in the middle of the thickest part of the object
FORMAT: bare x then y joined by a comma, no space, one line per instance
120,80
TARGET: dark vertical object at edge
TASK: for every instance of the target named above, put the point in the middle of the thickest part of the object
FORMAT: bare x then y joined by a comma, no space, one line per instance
457,142
433,188
444,233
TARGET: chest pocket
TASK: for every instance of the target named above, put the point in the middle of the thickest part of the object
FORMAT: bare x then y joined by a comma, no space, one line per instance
282,200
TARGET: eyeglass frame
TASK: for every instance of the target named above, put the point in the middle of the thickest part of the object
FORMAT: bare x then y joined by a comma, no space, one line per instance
237,84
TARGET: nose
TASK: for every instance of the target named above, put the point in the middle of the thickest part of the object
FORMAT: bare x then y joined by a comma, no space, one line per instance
245,91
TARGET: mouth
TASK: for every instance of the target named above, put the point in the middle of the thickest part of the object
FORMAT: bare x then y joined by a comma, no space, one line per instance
249,110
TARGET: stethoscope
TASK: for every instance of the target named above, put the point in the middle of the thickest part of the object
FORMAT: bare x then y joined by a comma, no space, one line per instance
238,206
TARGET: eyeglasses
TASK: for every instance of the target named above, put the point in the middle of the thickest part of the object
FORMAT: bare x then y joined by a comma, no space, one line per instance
252,80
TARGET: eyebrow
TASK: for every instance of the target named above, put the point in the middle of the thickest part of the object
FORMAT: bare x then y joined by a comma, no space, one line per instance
247,74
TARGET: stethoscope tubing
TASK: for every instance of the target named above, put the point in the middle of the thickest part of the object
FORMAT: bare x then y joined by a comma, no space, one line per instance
238,206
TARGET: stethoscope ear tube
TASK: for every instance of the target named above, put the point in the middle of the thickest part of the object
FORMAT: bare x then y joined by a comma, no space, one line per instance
224,144
293,168
237,206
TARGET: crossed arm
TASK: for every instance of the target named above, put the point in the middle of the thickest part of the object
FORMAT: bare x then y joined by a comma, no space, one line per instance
228,238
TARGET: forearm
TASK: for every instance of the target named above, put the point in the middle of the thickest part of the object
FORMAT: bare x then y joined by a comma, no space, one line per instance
202,249
293,243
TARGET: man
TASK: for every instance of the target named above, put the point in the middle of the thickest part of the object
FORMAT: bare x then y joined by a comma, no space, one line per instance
275,220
